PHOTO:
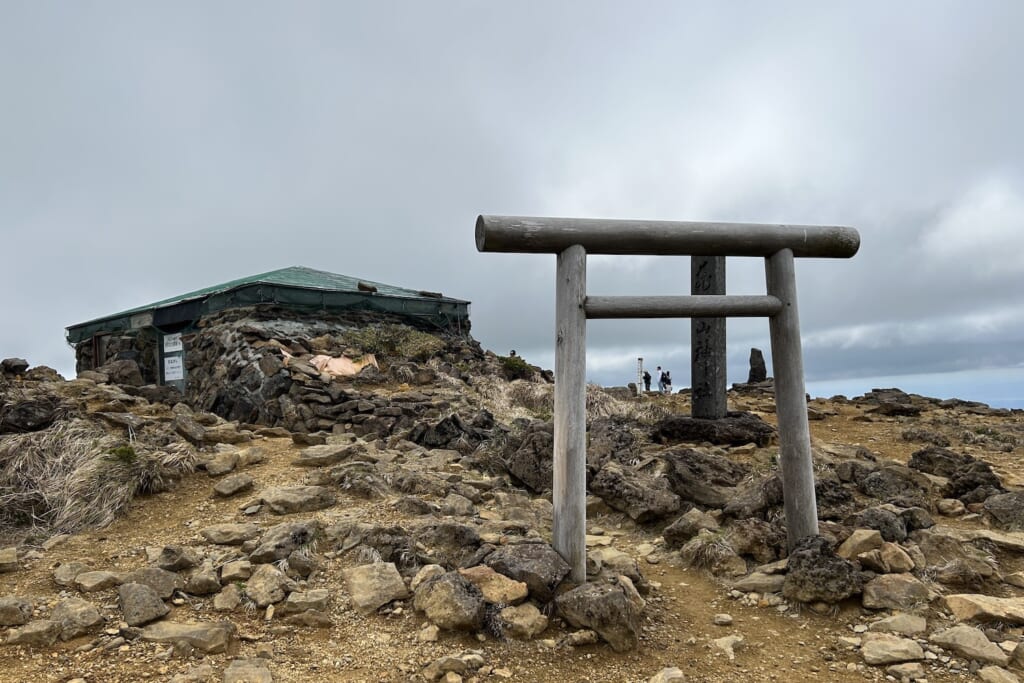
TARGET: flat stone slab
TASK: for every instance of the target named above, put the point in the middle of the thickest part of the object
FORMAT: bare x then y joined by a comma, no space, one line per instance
995,674
301,601
290,499
860,541
230,534
882,648
973,607
211,638
222,463
90,582
237,570
325,455
374,585
895,591
971,643
248,671
64,575
760,583
1007,540
75,617
903,624
233,484
496,588
160,580
38,633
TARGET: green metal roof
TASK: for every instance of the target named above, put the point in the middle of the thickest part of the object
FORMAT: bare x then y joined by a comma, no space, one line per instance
294,276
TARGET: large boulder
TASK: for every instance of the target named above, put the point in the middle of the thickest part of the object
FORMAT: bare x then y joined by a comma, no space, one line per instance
735,429
970,643
537,565
641,496
1006,510
38,633
702,478
816,574
883,648
973,483
952,562
896,592
890,526
267,585
451,602
122,372
284,500
281,540
13,366
758,369
612,610
174,558
140,604
973,607
373,585
898,485
609,439
496,588
941,462
208,637
29,414
892,402
522,621
14,611
687,526
76,617
530,461
163,582
448,543
758,539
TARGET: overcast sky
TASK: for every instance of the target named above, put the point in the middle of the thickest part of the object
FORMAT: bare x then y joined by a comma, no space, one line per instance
149,149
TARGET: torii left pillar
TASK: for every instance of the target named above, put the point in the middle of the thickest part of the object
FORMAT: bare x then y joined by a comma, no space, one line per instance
707,342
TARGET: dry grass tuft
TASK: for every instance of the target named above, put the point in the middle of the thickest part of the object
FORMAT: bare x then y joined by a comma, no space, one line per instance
708,548
536,400
76,475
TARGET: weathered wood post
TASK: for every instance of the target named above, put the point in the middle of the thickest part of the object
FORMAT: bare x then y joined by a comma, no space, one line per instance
569,488
707,342
572,239
790,401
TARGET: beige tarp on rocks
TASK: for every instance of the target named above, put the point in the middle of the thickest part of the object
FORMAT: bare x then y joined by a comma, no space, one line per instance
337,367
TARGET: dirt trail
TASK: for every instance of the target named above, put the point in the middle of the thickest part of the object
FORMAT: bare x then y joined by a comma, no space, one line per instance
777,646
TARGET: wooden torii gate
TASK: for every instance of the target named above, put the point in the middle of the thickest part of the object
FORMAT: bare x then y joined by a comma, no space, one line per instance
571,239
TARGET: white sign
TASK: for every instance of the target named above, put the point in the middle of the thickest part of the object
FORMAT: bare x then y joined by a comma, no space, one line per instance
172,342
173,368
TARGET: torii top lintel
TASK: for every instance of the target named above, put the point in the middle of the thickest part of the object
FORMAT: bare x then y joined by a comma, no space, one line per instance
535,235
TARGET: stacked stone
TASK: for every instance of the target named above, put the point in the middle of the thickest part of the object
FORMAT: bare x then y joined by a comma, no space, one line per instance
238,369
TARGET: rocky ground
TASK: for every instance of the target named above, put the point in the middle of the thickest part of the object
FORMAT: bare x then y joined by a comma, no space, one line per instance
411,543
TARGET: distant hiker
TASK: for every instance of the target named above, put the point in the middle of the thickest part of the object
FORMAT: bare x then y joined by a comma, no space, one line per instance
647,381
665,382
661,380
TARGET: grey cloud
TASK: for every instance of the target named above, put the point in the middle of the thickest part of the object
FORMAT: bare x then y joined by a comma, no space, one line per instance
150,150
